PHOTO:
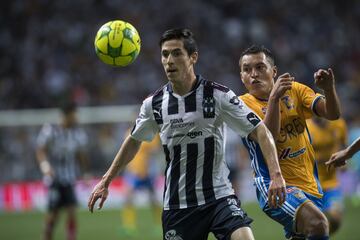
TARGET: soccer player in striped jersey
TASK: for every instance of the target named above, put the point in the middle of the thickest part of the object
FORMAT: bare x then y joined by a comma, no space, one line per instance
59,147
328,137
190,113
284,105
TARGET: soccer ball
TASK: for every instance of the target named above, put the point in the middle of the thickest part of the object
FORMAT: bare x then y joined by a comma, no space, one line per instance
117,43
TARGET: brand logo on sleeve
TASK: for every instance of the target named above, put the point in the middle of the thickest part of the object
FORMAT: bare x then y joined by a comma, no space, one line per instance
253,118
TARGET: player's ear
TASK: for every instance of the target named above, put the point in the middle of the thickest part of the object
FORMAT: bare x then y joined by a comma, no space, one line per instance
274,71
194,57
241,76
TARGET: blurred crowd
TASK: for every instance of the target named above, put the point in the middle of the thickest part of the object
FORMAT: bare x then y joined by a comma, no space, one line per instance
47,54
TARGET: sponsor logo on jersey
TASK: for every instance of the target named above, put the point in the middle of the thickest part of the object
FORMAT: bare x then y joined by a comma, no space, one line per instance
179,123
194,134
287,154
253,118
157,113
176,135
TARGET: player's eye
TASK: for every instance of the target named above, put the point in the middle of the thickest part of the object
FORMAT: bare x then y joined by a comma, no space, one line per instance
165,54
261,67
246,69
176,53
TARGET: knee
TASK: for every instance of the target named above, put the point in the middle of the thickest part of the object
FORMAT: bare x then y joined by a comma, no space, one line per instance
334,225
318,226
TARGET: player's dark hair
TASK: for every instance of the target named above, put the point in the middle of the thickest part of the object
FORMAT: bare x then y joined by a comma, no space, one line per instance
68,107
254,49
183,34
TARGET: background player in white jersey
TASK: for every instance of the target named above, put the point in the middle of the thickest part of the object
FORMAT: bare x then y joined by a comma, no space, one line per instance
59,147
190,115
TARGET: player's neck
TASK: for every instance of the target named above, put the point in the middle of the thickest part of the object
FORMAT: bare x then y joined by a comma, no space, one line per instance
262,96
183,87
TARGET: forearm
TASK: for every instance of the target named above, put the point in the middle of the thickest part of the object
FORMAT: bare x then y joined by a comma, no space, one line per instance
43,161
125,154
268,148
332,104
353,148
272,116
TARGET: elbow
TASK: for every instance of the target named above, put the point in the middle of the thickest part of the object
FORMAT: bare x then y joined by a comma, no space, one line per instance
334,116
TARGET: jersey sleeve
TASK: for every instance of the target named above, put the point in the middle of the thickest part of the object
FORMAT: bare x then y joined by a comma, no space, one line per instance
145,127
237,115
308,99
44,136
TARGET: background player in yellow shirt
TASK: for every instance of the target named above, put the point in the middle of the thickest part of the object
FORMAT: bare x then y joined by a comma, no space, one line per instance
137,176
328,137
284,105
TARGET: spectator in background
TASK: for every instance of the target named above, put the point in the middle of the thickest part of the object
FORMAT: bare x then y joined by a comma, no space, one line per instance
328,137
58,149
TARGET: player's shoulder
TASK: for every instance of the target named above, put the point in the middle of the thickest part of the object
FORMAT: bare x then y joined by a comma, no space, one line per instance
246,97
297,86
215,85
249,99
158,92
155,96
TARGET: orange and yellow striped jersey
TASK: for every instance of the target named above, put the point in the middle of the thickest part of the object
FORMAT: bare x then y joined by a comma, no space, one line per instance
296,155
327,138
139,166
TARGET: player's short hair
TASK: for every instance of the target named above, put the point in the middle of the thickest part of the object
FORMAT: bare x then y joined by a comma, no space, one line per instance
254,49
67,107
183,34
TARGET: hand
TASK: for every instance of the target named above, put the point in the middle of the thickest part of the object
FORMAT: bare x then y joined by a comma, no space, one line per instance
338,159
282,84
324,79
277,191
99,191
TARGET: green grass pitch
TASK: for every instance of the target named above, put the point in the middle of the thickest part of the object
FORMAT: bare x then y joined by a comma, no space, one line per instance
106,225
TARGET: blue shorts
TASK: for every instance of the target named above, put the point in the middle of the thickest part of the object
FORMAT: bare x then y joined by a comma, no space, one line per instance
285,215
139,183
332,199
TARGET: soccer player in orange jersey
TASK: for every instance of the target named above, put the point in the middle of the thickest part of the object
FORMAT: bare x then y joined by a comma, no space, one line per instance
284,105
328,137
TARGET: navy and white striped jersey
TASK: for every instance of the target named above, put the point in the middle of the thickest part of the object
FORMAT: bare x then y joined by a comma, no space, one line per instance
62,146
191,129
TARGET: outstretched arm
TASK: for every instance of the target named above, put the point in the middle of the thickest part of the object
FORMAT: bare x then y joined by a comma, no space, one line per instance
329,107
277,191
340,158
126,153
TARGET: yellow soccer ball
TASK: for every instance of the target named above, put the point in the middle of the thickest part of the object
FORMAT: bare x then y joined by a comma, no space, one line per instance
117,43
